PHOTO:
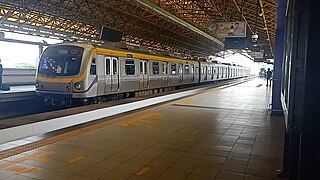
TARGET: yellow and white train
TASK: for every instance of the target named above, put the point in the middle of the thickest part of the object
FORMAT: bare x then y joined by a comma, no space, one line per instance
85,73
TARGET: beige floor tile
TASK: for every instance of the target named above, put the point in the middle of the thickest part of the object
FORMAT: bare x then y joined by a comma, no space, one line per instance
206,172
5,174
56,175
73,168
108,165
234,168
216,152
267,173
170,175
226,175
136,177
51,165
36,173
122,172
195,177
252,177
93,172
19,177
153,172
139,161
181,168
188,161
77,177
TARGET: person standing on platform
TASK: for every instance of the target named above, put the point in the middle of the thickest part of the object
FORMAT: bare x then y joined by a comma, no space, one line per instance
269,75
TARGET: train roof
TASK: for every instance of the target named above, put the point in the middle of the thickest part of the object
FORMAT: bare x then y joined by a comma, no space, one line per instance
132,51
127,51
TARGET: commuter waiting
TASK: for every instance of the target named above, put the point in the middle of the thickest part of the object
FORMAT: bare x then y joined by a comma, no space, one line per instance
269,75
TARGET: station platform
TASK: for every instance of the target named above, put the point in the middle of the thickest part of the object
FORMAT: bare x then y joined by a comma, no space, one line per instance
17,93
221,133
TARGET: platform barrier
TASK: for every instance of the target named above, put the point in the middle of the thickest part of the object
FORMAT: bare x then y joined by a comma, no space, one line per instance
14,76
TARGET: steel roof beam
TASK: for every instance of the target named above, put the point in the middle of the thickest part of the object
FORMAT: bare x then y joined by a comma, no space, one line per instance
178,20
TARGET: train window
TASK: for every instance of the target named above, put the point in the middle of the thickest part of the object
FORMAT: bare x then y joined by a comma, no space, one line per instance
186,69
180,68
145,67
114,64
173,69
164,68
129,67
108,66
197,70
192,69
155,68
93,67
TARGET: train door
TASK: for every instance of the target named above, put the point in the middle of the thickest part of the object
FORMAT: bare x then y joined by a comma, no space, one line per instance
205,73
165,74
192,72
180,74
197,73
212,72
114,73
226,72
144,77
216,72
107,74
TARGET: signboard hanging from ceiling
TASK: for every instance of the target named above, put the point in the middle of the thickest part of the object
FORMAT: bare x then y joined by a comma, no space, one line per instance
235,43
230,29
108,34
257,54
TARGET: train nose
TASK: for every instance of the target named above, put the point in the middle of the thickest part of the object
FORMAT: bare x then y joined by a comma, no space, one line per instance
54,87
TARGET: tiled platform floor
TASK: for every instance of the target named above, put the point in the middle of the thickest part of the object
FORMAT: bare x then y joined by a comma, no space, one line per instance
224,133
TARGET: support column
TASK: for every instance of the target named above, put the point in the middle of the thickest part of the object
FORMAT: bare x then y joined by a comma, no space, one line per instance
310,134
278,57
40,49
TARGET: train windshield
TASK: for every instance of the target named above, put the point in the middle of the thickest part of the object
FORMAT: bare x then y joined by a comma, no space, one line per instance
61,61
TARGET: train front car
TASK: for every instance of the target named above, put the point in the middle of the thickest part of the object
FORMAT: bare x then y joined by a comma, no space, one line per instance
64,74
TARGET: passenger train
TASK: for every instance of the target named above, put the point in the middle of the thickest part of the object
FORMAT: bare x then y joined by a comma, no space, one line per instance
86,73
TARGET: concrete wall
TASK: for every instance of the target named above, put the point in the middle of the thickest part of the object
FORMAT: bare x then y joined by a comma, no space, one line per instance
15,76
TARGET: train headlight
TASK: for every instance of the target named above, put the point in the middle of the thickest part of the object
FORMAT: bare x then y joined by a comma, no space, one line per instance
77,86
68,88
37,85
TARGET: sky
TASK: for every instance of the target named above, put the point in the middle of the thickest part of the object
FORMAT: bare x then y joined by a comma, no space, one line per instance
12,54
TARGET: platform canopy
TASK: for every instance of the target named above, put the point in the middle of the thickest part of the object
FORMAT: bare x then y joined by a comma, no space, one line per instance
173,25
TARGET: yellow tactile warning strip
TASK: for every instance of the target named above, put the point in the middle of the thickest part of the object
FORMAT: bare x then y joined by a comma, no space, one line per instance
142,171
149,118
76,159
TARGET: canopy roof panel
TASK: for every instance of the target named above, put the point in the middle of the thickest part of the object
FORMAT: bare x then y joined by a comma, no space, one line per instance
171,25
